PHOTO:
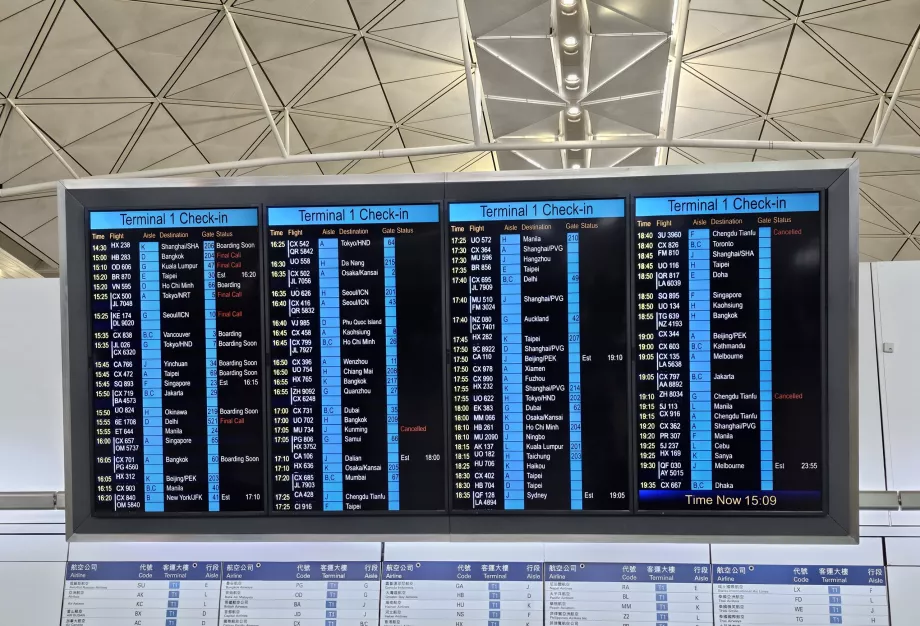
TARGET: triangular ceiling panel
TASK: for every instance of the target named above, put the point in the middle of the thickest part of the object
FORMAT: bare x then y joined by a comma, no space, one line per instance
460,126
47,169
534,22
905,211
795,93
20,148
509,117
352,72
184,158
646,76
106,77
746,132
454,102
291,73
65,123
676,158
692,122
124,23
334,12
773,134
807,59
813,6
201,122
707,28
12,7
742,7
534,57
72,42
695,93
394,63
322,131
99,151
908,252
17,32
847,119
791,5
763,53
156,58
895,20
605,128
160,139
545,129
367,10
418,12
233,145
881,248
438,37
368,104
643,112
235,88
414,139
500,79
655,14
218,57
876,58
871,215
482,164
45,239
611,55
607,21
907,185
22,216
269,39
407,95
755,88
489,17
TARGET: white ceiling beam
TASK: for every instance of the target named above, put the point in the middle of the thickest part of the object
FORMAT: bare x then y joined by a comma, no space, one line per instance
670,108
255,81
465,42
897,89
54,151
624,142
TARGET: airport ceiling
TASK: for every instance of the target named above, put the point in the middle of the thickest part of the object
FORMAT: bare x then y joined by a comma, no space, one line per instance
108,86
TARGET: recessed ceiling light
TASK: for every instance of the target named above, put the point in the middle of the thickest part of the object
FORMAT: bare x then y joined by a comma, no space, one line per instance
576,166
572,78
568,4
574,111
570,42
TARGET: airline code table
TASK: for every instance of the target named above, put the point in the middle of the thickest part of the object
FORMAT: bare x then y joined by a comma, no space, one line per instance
806,595
462,593
356,380
152,593
536,339
728,290
300,594
628,594
176,361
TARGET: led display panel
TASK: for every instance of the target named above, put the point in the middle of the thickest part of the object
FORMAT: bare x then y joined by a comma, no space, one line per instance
729,352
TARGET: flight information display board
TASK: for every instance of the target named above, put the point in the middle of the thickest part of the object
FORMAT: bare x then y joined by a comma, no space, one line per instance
176,361
356,359
538,369
729,361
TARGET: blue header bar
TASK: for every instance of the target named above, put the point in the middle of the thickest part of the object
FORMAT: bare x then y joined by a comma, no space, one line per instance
358,214
462,570
799,574
313,570
630,572
143,570
536,210
178,218
712,205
